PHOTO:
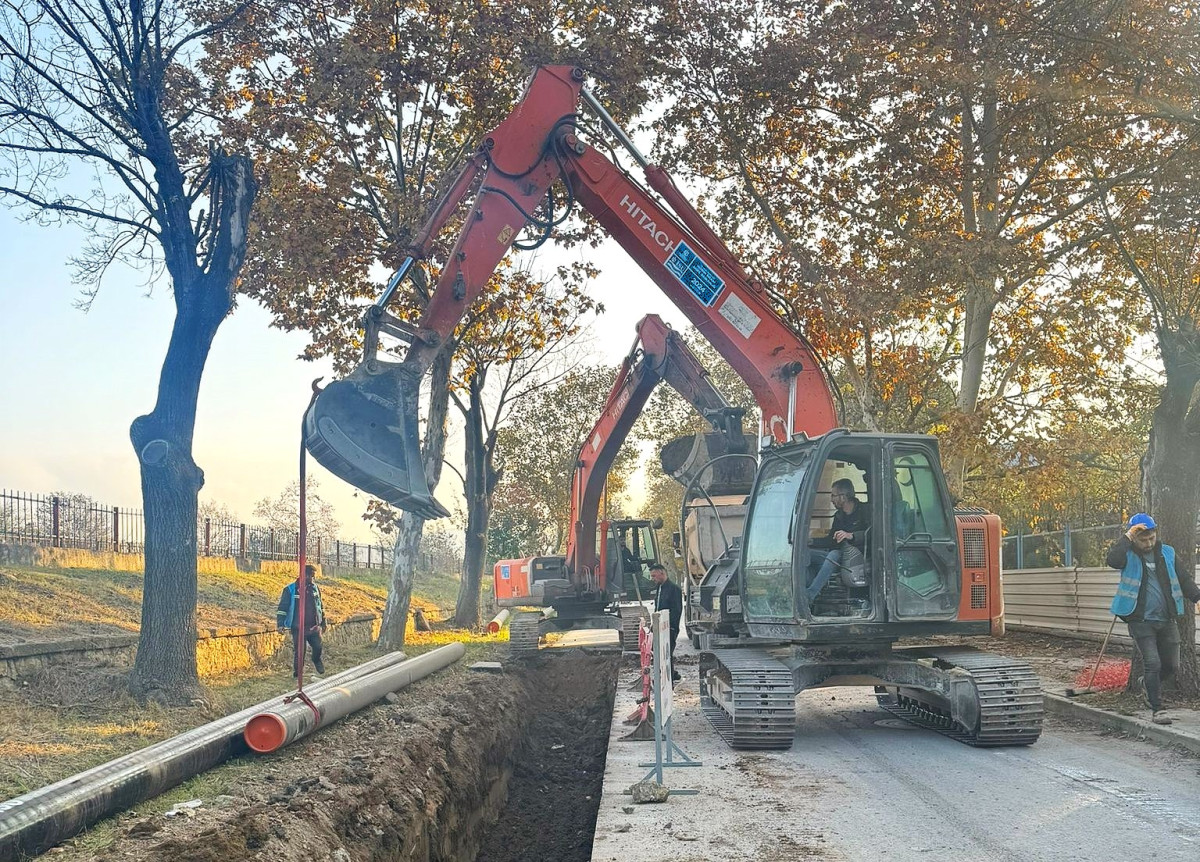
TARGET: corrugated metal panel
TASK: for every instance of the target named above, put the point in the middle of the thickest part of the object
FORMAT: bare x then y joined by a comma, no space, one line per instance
1073,601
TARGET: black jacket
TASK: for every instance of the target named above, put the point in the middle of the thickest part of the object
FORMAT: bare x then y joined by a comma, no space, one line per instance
1116,559
856,523
670,598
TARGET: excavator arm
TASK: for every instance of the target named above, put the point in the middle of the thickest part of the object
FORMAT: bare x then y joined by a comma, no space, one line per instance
659,354
365,429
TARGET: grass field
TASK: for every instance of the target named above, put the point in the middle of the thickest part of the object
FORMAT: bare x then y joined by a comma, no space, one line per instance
50,604
70,718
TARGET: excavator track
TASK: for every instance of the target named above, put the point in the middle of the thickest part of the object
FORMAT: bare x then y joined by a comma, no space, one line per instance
523,634
1010,701
749,698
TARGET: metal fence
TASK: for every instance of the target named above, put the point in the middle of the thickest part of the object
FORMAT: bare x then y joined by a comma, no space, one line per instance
1083,546
1069,547
77,521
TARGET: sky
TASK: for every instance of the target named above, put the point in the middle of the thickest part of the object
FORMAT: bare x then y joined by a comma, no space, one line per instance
73,381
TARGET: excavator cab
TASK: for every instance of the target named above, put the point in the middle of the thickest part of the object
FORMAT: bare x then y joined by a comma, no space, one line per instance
902,566
629,548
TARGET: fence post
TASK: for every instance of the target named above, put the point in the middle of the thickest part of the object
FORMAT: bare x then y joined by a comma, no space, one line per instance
338,552
116,530
208,537
354,560
368,556
271,547
55,538
1020,547
1067,545
318,550
242,539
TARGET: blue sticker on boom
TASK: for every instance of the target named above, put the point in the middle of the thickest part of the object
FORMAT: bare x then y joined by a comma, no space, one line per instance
695,274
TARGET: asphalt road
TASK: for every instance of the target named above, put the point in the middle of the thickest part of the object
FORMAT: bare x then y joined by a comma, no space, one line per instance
859,785
1075,794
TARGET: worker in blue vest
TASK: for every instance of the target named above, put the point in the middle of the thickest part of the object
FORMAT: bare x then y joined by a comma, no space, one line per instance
1149,597
287,617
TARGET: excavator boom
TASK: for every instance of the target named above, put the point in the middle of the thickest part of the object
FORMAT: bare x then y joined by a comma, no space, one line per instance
365,427
659,354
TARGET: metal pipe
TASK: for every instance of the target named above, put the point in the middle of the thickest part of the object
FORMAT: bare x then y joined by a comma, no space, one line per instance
283,725
611,124
42,818
499,621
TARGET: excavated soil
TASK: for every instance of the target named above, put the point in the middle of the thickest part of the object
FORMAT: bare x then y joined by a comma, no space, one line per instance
463,766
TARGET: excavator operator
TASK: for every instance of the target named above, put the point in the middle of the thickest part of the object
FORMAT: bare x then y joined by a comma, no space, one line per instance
850,524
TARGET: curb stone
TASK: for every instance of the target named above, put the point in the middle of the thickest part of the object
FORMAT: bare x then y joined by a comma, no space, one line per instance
1136,727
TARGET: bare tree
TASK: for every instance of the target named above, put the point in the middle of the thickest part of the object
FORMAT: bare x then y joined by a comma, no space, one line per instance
101,125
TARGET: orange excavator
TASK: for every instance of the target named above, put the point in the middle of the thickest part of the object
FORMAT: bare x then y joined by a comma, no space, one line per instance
608,561
794,602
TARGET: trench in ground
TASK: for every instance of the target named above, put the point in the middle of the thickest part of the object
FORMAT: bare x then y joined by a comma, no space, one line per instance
557,767
461,767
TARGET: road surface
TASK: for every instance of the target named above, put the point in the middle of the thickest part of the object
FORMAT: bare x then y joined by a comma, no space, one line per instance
859,785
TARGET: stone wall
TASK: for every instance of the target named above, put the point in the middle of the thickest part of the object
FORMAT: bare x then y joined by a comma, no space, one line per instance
218,651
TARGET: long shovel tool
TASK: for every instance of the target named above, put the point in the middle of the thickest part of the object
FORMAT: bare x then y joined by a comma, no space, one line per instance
1089,690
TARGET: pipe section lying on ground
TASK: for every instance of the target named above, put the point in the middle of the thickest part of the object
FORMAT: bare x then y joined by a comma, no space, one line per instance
499,621
38,820
285,724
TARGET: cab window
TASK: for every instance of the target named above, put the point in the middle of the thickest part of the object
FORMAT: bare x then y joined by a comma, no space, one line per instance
770,539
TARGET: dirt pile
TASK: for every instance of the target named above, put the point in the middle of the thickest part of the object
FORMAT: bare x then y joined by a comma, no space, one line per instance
424,779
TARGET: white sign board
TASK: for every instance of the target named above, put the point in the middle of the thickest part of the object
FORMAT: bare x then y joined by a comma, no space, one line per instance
660,628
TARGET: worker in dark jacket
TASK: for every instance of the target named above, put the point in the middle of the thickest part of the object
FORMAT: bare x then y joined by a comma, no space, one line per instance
287,616
670,599
851,521
1149,597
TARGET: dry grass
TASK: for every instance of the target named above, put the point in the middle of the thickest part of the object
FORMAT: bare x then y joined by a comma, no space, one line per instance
49,604
68,719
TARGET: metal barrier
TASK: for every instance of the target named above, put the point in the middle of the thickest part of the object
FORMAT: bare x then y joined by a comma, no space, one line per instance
1071,601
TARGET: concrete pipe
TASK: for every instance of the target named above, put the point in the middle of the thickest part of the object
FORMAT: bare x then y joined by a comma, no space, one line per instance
40,819
499,621
283,725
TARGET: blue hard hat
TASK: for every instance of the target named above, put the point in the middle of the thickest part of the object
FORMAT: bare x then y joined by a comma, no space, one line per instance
1141,519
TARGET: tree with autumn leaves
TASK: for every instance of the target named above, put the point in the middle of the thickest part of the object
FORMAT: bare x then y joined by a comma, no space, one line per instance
909,181
359,112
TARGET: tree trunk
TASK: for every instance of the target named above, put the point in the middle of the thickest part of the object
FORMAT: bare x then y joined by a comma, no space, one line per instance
1171,481
410,528
481,481
405,554
165,666
1170,473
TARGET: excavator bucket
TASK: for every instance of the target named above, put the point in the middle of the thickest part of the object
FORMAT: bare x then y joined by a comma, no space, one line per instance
363,429
688,458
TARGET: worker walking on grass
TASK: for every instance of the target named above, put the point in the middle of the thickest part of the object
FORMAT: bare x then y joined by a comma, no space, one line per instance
287,616
1149,598
670,599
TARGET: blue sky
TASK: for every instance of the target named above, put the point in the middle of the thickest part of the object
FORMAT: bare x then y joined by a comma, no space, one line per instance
73,381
